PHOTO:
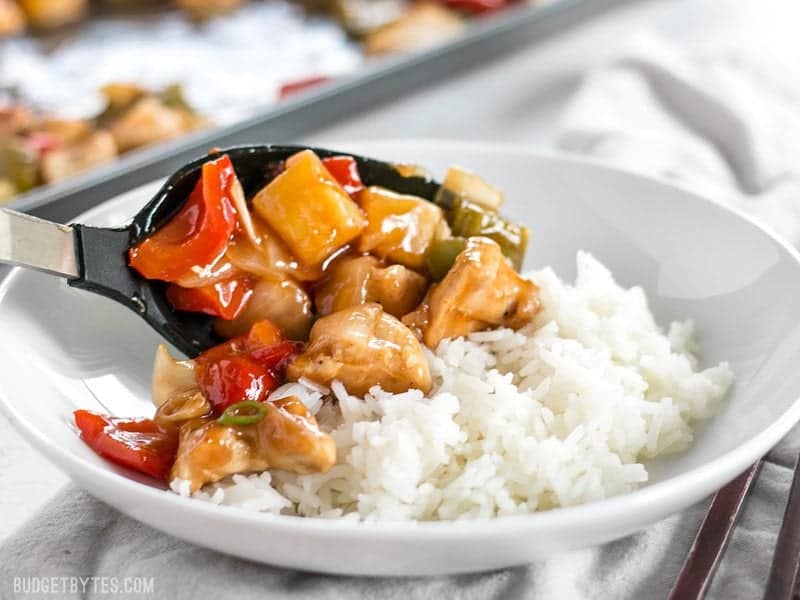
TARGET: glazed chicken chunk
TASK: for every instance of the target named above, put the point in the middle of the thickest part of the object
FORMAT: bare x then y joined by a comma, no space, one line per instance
146,122
480,291
400,228
362,346
354,280
286,438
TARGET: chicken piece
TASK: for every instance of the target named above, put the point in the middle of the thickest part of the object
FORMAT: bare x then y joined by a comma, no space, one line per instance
362,346
148,121
15,119
12,21
66,131
47,14
480,291
281,301
205,9
354,280
286,438
345,284
360,17
309,210
59,164
397,289
425,24
400,228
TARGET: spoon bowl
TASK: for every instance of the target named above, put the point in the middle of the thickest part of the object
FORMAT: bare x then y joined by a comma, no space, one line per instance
101,254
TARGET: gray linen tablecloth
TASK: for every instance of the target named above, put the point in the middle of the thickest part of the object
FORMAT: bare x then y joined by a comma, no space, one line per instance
717,113
78,536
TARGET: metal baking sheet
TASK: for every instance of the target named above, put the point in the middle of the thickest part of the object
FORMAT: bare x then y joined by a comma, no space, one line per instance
230,67
344,97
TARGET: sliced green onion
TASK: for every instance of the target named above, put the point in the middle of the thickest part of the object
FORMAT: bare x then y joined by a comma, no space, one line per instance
248,412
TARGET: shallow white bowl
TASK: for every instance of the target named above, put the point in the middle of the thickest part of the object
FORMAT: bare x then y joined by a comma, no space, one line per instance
62,349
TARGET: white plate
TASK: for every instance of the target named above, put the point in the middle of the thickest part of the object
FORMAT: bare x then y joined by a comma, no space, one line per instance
62,349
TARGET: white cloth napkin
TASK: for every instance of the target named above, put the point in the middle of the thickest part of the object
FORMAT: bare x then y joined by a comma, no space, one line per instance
719,113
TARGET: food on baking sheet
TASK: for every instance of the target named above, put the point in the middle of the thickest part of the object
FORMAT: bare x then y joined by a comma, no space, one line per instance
12,19
387,360
48,14
36,150
206,9
52,148
425,24
360,18
136,117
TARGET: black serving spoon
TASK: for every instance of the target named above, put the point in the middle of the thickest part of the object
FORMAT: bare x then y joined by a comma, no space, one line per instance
95,259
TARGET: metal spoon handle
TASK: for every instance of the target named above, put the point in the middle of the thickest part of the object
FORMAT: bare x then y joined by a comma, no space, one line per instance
34,243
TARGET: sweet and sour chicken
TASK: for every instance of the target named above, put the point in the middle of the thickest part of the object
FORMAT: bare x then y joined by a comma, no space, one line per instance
317,278
362,346
480,291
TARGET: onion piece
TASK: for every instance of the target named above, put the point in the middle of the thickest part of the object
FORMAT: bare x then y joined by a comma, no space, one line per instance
255,260
222,268
171,377
183,407
243,212
269,256
281,301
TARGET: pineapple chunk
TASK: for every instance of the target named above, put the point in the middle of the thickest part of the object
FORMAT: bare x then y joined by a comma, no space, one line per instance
400,228
309,210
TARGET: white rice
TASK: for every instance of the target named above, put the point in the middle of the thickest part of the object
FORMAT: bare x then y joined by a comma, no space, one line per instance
560,413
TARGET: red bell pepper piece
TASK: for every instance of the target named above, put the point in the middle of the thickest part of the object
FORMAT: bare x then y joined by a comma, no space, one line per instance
225,299
42,142
293,87
234,378
139,444
247,367
198,234
345,170
278,355
477,6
